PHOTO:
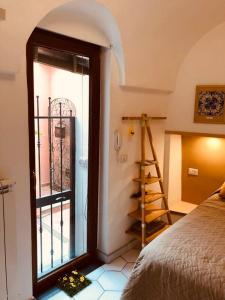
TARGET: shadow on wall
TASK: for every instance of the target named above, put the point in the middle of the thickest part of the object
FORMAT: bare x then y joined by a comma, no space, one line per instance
194,169
206,155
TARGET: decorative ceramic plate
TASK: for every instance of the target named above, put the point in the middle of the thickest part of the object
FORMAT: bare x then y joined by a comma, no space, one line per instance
211,104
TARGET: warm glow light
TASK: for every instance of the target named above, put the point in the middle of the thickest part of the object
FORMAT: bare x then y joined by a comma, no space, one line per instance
213,143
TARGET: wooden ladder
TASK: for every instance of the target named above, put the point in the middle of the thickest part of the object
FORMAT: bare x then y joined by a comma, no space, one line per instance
148,212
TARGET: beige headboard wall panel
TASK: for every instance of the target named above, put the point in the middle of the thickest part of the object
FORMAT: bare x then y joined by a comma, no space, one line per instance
206,154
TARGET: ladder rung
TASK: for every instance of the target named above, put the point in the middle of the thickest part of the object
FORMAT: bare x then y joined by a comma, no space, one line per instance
149,216
148,180
152,207
149,238
153,197
147,162
137,195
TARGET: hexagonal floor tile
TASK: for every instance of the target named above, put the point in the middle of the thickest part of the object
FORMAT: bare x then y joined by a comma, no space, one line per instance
111,296
91,292
128,269
116,265
94,275
112,281
131,256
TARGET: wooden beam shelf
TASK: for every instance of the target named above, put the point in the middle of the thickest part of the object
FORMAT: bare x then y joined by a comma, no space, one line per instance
149,215
147,162
149,238
140,118
151,197
151,207
154,197
147,180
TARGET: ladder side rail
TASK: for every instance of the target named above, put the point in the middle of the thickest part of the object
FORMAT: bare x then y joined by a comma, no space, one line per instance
157,169
143,225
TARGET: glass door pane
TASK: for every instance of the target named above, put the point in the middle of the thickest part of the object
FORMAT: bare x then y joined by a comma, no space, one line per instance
61,105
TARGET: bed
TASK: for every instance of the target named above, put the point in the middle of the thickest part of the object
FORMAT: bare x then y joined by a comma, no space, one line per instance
187,261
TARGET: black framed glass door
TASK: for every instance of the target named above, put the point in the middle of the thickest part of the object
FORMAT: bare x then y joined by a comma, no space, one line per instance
63,92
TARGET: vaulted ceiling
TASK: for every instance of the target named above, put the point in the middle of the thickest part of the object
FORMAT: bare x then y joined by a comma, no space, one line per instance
155,35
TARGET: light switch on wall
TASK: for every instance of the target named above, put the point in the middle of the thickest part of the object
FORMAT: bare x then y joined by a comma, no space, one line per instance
192,171
123,158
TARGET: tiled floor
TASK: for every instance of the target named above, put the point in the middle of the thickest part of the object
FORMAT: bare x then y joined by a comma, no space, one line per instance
108,281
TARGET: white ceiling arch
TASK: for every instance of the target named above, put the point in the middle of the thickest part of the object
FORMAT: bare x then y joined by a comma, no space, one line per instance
156,34
89,21
92,19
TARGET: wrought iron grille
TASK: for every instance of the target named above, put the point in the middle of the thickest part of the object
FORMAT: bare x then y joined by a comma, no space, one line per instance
55,200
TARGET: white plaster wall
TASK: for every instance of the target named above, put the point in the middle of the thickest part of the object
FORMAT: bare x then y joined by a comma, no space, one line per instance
205,64
128,103
175,167
65,22
14,163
